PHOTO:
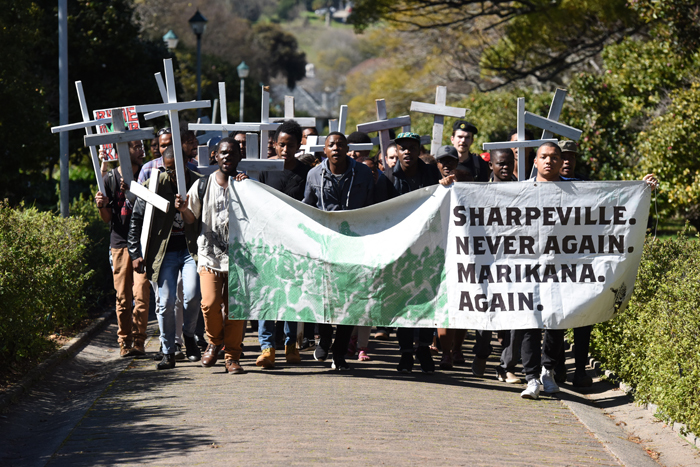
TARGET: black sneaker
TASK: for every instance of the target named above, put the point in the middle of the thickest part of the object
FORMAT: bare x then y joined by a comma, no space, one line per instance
320,354
192,350
560,376
426,359
168,362
179,354
201,342
340,364
582,380
406,363
306,344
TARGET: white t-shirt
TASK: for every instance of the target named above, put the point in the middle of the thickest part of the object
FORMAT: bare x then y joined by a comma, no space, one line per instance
212,242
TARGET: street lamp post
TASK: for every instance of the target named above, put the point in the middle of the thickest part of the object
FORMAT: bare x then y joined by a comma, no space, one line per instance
171,39
198,23
243,71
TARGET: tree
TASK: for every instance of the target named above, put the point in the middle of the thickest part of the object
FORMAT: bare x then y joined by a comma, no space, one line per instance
537,40
279,54
105,52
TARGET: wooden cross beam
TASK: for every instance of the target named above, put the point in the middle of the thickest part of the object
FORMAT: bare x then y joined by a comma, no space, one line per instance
440,111
203,165
550,125
173,107
520,144
382,126
252,165
252,162
314,144
289,114
148,216
87,124
120,138
343,118
163,95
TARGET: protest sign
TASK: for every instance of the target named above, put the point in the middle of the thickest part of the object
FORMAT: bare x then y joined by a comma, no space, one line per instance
131,120
474,256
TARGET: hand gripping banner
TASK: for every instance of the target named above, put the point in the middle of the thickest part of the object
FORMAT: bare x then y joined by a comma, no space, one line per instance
472,256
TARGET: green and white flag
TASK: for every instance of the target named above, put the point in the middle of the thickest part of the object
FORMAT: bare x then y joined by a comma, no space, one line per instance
471,256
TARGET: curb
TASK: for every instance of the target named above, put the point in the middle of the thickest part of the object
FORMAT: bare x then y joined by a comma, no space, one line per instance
66,351
679,428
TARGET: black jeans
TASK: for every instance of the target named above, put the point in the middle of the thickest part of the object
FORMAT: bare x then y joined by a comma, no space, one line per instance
406,336
342,338
582,342
512,344
482,347
536,354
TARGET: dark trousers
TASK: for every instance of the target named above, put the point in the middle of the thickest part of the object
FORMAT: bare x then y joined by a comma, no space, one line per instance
536,354
342,338
309,329
407,335
512,344
482,347
582,342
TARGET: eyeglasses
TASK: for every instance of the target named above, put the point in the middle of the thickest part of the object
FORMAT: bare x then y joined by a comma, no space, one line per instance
164,131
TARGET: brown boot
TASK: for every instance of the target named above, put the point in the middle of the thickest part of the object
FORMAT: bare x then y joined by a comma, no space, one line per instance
125,349
211,355
266,359
292,354
139,350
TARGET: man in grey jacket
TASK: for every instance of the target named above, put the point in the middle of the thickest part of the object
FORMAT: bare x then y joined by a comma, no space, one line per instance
338,183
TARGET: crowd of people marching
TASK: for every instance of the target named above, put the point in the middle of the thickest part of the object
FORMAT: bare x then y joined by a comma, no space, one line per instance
185,267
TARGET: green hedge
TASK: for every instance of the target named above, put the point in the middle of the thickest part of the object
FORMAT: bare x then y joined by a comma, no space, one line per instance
654,345
52,270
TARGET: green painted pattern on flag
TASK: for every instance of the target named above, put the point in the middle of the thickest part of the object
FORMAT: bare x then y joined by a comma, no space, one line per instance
280,284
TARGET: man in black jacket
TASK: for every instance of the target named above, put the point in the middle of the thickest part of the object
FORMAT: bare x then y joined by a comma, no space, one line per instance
462,138
411,174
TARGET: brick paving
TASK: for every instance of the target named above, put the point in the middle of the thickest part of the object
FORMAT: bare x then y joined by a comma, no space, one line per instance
308,414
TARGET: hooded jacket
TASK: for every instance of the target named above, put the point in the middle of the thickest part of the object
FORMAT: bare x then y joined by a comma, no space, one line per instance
354,190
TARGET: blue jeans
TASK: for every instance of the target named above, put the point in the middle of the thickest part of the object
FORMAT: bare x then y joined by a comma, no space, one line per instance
175,262
266,333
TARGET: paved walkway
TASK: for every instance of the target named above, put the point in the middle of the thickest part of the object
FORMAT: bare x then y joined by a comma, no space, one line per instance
99,409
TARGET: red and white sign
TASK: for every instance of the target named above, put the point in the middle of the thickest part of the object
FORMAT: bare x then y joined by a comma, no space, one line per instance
131,119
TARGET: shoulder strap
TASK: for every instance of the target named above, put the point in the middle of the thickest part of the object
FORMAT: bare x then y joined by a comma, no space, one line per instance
202,188
112,185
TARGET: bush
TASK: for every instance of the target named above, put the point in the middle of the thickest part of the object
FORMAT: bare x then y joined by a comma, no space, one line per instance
42,278
654,344
101,284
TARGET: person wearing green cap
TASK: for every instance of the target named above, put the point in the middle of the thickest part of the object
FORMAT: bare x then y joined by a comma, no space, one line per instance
411,174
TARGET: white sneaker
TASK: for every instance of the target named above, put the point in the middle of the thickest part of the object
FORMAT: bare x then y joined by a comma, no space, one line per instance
549,386
532,391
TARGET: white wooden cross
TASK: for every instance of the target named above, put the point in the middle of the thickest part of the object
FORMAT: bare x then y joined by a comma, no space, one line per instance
440,111
520,144
303,122
203,165
317,143
314,143
341,122
382,126
87,124
551,125
173,107
120,137
252,163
